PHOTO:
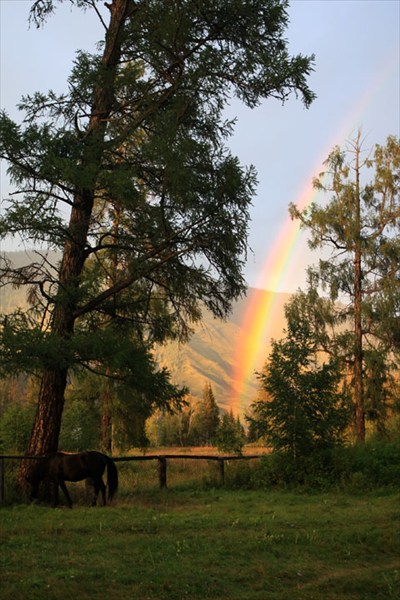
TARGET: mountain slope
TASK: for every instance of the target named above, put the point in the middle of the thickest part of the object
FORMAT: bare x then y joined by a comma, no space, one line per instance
214,352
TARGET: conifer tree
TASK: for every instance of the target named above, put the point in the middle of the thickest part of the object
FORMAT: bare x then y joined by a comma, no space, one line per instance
230,436
206,418
128,176
358,322
305,409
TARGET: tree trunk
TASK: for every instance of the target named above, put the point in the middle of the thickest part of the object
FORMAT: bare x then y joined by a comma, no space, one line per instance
45,433
358,357
358,352
46,429
106,423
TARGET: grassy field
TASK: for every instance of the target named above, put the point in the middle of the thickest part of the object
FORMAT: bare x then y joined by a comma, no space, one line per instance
206,543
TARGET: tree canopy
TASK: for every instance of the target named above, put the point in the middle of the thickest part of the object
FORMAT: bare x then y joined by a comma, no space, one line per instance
129,176
305,409
358,321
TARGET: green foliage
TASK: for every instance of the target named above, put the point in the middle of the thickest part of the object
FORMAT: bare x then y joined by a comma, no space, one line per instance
129,176
161,182
230,435
360,225
124,403
380,389
165,428
15,427
356,469
80,429
305,411
196,424
369,466
206,418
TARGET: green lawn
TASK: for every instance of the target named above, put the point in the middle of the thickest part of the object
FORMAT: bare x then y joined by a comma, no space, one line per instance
182,544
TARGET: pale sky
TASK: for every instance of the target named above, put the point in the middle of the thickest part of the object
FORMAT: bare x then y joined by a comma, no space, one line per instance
356,79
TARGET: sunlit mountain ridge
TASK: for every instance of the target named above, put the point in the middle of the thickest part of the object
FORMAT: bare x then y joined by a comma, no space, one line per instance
212,353
214,350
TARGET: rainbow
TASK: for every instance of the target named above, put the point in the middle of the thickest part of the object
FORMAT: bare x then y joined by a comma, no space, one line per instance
259,316
251,346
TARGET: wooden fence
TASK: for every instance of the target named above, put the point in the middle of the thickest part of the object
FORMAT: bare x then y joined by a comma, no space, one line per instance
161,458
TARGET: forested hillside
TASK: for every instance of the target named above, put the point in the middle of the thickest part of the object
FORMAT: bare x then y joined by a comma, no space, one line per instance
211,352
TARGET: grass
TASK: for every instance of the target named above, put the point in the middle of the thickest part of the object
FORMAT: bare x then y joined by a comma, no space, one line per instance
206,543
142,476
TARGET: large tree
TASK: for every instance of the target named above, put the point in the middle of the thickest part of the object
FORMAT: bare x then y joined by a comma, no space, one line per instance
360,224
305,408
128,175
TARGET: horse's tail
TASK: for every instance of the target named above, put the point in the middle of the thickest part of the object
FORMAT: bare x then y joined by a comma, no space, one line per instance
112,477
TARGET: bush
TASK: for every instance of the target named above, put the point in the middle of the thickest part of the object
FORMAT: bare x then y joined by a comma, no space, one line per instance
15,427
372,465
356,468
80,428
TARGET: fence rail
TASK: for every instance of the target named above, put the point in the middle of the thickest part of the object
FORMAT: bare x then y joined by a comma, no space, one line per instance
161,458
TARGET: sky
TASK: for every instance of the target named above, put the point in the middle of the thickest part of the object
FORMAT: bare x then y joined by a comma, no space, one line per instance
356,79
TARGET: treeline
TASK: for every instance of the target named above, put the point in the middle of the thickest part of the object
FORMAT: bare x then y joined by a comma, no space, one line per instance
307,430
331,379
197,424
85,424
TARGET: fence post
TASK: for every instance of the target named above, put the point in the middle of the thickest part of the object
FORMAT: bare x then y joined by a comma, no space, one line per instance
221,464
162,471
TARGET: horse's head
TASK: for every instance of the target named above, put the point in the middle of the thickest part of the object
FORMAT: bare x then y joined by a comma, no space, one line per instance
32,490
33,477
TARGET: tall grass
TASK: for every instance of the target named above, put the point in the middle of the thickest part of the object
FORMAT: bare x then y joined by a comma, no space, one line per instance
357,468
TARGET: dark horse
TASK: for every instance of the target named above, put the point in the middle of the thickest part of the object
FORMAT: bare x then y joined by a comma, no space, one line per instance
61,467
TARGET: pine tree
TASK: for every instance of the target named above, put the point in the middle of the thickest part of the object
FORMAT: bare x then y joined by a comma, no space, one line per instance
361,226
206,418
230,436
305,410
157,207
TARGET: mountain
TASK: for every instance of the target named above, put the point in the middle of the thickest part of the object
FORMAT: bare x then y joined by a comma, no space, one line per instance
217,347
10,297
212,353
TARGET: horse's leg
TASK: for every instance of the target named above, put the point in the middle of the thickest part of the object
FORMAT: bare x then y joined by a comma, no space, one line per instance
96,488
54,490
66,493
90,486
33,492
103,490
99,486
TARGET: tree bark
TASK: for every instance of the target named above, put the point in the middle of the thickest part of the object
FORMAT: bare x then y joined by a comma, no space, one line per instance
46,429
358,353
106,423
358,356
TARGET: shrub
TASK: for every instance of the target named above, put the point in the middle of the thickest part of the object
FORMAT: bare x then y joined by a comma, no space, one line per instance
373,464
15,427
80,428
356,468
